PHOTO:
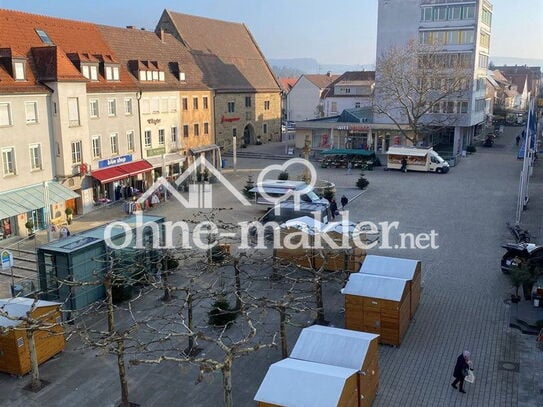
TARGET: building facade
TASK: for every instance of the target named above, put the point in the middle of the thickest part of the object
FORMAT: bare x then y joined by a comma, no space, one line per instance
352,90
305,99
461,31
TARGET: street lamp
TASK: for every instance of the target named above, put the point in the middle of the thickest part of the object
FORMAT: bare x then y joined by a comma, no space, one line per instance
234,151
306,150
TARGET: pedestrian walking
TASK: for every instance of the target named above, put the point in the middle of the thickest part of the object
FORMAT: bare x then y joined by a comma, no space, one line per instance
461,370
404,164
344,202
333,208
518,139
349,168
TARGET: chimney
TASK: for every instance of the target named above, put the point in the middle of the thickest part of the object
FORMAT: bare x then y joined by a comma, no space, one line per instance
329,74
130,27
162,35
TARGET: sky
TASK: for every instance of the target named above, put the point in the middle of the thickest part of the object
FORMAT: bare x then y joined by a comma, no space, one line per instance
332,32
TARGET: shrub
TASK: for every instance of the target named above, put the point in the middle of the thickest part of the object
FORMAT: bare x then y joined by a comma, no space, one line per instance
68,211
283,175
362,182
29,225
328,194
221,313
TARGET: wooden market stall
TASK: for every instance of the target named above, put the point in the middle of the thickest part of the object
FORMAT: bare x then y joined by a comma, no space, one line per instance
14,351
307,242
343,348
407,269
297,383
379,305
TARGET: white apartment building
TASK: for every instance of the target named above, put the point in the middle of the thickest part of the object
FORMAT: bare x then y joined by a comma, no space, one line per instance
461,28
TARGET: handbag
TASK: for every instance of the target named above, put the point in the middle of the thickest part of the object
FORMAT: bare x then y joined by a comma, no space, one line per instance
470,378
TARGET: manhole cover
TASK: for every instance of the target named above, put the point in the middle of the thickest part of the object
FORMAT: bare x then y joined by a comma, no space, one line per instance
508,366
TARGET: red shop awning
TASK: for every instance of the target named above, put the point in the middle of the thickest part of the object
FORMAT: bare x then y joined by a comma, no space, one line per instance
121,171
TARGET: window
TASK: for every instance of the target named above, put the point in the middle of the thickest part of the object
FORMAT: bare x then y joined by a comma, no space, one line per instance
155,105
480,105
196,129
96,147
145,106
73,112
93,108
112,107
247,101
468,12
486,17
204,102
93,73
248,115
130,140
185,102
147,138
161,76
149,75
57,149
112,73
5,114
265,128
128,106
76,152
114,141
161,136
173,133
440,13
142,75
435,108
85,71
19,70
185,130
155,75
234,132
163,105
31,110
426,14
483,61
455,13
462,107
44,37
266,105
484,40
109,74
449,107
334,107
231,107
8,161
172,104
206,128
35,156
357,105
115,73
195,103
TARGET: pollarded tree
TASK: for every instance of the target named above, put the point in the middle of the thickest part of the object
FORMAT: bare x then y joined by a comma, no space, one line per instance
420,86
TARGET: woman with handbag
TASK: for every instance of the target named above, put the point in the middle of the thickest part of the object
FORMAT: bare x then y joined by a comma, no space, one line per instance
461,370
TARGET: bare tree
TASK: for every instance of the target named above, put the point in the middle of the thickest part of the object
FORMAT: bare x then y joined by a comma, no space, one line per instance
420,86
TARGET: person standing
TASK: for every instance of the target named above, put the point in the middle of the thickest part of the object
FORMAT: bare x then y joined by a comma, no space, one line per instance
349,168
344,202
333,208
461,370
404,164
518,139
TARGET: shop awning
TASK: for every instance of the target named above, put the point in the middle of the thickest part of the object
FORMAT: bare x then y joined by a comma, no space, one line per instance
201,149
22,200
168,159
118,172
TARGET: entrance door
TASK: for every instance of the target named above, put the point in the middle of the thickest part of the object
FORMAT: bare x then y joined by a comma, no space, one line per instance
70,203
247,135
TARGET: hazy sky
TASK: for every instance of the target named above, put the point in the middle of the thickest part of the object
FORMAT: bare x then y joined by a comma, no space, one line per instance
332,32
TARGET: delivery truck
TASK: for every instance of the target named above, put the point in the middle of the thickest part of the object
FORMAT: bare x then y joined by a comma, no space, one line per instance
416,159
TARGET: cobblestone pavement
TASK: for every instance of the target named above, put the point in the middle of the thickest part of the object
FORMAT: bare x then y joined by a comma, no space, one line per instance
462,304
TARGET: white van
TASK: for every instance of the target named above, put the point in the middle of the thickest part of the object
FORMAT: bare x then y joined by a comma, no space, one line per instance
278,188
418,159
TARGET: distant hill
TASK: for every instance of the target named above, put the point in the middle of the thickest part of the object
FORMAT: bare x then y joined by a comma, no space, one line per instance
312,66
510,61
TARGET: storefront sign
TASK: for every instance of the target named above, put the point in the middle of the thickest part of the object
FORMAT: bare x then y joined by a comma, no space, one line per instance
155,151
229,119
7,260
154,121
115,161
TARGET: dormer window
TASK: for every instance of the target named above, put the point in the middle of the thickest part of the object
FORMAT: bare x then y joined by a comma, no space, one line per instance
90,71
155,75
112,72
149,75
161,76
182,76
19,70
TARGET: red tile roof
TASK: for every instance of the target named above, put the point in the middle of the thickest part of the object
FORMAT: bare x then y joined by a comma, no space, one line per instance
140,49
321,81
287,83
226,52
74,38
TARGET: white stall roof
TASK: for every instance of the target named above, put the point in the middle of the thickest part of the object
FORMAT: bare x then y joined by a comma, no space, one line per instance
298,383
349,228
18,307
375,286
333,346
389,266
305,223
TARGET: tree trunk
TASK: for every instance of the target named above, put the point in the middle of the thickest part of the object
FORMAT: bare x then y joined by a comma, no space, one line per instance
283,331
35,381
227,381
109,303
122,373
319,302
189,321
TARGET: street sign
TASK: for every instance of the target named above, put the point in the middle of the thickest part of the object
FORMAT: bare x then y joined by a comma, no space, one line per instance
7,259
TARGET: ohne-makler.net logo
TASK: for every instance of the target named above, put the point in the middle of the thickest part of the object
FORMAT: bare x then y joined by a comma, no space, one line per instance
303,233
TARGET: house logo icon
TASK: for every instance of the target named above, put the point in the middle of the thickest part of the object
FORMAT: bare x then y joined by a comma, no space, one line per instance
200,195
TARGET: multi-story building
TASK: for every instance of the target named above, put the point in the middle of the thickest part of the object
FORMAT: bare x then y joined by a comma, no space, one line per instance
247,96
305,99
461,31
352,90
526,78
176,111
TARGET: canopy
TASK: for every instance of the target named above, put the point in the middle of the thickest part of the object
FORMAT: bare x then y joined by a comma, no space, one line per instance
122,171
22,200
348,151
